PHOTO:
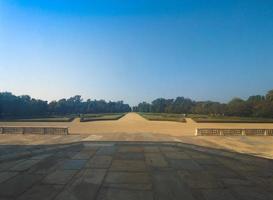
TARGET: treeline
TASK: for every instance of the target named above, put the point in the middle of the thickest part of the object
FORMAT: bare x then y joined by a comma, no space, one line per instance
16,106
254,106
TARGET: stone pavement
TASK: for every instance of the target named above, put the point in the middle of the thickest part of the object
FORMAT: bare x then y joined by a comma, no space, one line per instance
133,171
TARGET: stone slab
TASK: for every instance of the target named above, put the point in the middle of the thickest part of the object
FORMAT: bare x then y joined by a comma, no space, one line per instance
99,162
59,177
74,164
18,184
167,186
155,160
128,165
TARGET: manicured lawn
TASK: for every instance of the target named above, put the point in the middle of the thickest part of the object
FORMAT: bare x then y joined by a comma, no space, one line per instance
228,119
101,117
41,119
163,117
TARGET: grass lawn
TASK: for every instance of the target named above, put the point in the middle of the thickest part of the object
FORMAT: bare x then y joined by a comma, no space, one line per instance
101,117
228,119
41,119
163,117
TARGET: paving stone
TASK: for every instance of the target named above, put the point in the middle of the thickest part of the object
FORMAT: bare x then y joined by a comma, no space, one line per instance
9,164
128,149
84,155
74,164
169,149
99,162
151,149
59,177
200,180
94,176
107,150
176,155
198,154
129,186
65,154
252,193
119,194
6,175
237,182
268,183
218,194
155,160
18,184
90,147
257,173
237,165
130,156
22,166
167,186
197,194
127,177
205,161
41,192
185,164
221,172
46,166
128,165
85,186
41,157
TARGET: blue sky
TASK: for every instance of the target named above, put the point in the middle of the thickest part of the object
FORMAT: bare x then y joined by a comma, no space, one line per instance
136,50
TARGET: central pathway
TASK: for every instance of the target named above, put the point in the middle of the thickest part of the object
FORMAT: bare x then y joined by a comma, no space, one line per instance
133,123
132,117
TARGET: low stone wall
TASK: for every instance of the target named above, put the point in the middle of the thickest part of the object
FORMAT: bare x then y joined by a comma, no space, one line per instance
34,130
233,132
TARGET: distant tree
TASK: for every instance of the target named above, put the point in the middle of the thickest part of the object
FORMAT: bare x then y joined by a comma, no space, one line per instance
255,99
143,107
160,105
209,108
269,95
238,107
182,105
264,109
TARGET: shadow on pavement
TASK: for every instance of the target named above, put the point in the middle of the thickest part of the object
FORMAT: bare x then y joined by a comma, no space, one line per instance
132,170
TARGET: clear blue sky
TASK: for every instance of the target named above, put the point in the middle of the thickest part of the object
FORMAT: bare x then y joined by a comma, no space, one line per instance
136,50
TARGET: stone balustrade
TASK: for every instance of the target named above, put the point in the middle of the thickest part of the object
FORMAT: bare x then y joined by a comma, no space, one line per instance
233,132
34,130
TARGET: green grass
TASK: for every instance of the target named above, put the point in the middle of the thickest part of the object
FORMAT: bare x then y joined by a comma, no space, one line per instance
101,117
228,119
41,119
163,117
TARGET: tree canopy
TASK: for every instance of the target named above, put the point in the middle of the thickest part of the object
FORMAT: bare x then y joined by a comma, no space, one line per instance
254,106
16,106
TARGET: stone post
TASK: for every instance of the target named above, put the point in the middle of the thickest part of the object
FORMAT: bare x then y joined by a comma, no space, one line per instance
196,132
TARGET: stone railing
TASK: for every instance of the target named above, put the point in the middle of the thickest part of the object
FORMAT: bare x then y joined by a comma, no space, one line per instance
33,130
233,132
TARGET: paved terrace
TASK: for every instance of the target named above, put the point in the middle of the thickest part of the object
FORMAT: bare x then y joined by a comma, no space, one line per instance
132,171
